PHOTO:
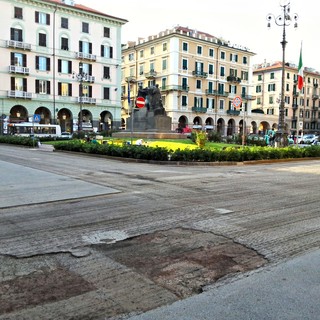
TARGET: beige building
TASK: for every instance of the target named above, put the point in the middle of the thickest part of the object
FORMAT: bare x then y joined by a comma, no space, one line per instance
301,108
199,76
60,60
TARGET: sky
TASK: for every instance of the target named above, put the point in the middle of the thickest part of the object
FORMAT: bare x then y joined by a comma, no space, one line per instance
240,22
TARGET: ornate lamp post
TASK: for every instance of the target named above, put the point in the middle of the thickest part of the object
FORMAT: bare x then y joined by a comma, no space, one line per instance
283,20
80,76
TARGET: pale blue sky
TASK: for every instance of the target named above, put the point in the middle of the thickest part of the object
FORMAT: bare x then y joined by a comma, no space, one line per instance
242,22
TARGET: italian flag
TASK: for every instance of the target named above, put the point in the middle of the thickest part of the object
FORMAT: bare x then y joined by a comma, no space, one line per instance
300,71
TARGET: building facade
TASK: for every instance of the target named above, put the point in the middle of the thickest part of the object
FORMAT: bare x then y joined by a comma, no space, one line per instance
301,108
198,75
60,60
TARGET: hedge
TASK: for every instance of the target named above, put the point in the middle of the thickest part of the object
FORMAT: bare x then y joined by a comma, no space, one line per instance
234,154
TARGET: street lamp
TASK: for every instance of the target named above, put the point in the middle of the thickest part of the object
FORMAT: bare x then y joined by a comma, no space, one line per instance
80,76
283,20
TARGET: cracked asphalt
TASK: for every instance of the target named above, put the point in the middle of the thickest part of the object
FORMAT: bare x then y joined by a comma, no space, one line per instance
85,237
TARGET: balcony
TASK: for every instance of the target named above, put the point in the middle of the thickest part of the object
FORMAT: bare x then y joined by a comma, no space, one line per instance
233,112
200,74
315,108
220,93
18,69
315,96
233,79
199,109
248,97
18,45
175,88
131,79
151,74
90,79
19,94
86,56
294,106
86,100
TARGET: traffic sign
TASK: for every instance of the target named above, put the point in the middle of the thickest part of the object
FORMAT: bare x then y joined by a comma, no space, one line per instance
237,101
36,118
140,102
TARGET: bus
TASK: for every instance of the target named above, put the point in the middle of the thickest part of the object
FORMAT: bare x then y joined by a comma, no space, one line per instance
28,129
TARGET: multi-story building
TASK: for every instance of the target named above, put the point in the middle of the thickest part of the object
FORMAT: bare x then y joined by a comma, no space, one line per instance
199,76
60,60
301,108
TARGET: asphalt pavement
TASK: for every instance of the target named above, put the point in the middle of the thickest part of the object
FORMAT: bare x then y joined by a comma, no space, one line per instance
288,291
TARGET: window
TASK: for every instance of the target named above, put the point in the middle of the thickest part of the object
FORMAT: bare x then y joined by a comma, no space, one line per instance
106,72
260,77
64,66
64,43
198,84
184,101
199,50
152,50
141,53
18,59
131,56
18,84
244,60
272,75
42,40
244,75
86,68
222,55
198,102
64,23
42,63
233,72
16,34
86,91
258,89
42,86
151,66
18,13
163,82
211,53
184,64
85,27
221,104
222,71
85,47
288,75
271,100
164,46
106,93
210,103
141,69
42,18
106,51
185,46
106,32
233,57
184,83
272,87
287,87
64,89
233,89
211,69
164,64
220,88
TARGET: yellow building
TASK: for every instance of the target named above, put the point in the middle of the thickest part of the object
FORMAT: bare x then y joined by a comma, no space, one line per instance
199,76
301,108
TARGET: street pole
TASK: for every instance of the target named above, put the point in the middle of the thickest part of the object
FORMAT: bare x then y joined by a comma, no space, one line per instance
283,20
80,76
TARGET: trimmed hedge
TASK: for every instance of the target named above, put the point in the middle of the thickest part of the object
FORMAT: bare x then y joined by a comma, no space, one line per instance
234,154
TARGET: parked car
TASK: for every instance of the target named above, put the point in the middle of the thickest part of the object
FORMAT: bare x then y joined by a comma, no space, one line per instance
66,135
308,138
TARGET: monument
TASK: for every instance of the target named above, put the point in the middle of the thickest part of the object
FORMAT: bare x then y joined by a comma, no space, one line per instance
152,117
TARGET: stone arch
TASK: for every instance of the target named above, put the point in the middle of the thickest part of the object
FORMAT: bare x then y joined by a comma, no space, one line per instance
45,114
19,113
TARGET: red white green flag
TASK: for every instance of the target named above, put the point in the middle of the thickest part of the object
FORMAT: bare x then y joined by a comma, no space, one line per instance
300,71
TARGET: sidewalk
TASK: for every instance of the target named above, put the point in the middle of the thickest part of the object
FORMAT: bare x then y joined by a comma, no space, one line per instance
288,291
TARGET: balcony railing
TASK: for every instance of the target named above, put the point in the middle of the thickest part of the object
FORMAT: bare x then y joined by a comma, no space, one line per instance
87,56
200,74
199,109
87,100
294,106
233,112
18,69
315,96
151,74
18,45
131,79
19,94
89,79
175,88
248,97
233,79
